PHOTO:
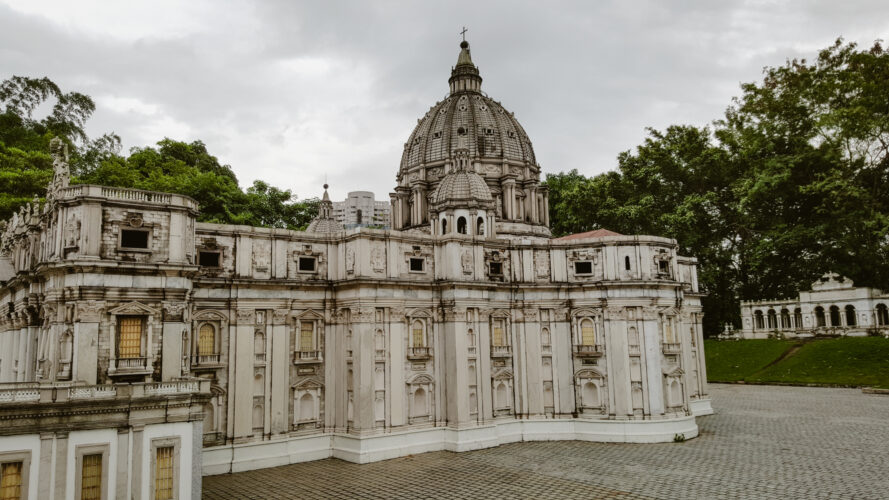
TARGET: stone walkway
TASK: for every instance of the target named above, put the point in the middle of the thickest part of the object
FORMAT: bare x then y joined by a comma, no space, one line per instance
764,442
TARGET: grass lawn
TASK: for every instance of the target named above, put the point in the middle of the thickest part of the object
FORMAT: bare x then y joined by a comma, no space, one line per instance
858,361
732,361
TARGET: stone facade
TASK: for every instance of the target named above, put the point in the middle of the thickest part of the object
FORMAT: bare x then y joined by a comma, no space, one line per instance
465,330
834,306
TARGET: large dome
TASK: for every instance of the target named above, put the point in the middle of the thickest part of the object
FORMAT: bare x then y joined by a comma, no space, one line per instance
496,149
491,131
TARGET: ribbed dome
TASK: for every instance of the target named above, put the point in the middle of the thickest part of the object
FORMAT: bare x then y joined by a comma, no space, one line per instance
462,189
491,132
324,221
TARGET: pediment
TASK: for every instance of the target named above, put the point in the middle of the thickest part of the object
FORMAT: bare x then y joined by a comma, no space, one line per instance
310,314
503,374
420,379
673,371
419,313
309,383
589,372
500,313
134,308
578,313
210,315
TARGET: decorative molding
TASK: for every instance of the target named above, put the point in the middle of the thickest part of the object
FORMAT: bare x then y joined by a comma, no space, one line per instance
245,317
174,311
90,311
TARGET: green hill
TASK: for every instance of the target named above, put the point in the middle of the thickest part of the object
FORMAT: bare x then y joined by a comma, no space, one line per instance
850,361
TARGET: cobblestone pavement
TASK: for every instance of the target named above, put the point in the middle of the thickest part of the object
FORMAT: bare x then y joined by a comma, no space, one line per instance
763,442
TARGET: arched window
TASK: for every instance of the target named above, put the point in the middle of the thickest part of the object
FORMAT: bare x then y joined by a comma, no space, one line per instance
882,315
470,338
206,340
501,396
306,407
587,332
590,395
418,406
480,226
785,318
834,316
257,418
850,315
418,335
379,340
461,225
545,337
66,347
258,385
444,226
820,320
627,263
675,393
773,319
759,325
798,318
633,336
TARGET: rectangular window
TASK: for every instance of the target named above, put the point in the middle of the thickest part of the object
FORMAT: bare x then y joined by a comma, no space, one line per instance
209,259
163,474
307,264
91,477
417,264
306,336
498,338
11,481
495,268
585,267
129,343
134,238
587,332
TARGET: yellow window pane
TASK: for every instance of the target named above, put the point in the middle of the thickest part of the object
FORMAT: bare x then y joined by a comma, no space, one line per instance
163,474
91,478
11,481
498,338
419,338
206,340
587,333
306,340
130,342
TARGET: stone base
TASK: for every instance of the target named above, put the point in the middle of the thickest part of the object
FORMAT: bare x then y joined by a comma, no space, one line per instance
700,407
250,456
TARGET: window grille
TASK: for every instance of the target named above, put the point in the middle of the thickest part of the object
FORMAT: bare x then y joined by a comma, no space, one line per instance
163,476
306,334
206,340
419,338
91,477
497,338
130,341
587,332
11,481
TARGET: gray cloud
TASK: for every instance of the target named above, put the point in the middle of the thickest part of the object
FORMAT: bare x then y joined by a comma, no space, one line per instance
293,92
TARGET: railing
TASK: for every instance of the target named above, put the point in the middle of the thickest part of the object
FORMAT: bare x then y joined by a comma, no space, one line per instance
126,194
205,359
501,351
307,356
671,348
259,357
130,364
19,395
471,350
419,352
589,351
179,387
92,392
380,353
635,350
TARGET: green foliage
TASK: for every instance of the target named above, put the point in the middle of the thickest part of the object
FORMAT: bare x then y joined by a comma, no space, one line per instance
732,361
847,361
788,185
172,166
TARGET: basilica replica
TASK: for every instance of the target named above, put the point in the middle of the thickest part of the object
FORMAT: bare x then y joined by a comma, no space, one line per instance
140,349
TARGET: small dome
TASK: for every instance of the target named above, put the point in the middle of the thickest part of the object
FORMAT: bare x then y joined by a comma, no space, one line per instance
462,188
324,226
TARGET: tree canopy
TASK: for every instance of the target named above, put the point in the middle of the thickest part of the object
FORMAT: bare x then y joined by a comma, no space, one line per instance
789,184
171,166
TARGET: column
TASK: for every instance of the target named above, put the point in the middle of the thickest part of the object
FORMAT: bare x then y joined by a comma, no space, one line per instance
651,352
86,342
457,386
618,361
174,330
240,374
279,373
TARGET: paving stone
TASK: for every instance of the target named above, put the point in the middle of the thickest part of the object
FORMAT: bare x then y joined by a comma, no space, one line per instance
763,442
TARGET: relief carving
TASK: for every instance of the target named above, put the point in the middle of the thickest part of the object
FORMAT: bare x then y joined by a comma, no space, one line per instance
350,260
378,259
279,316
90,311
72,231
174,311
542,264
260,256
466,261
245,316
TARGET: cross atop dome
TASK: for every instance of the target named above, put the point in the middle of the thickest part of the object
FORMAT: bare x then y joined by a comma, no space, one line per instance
465,76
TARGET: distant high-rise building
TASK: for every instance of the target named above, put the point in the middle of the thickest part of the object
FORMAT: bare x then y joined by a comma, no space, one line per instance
359,209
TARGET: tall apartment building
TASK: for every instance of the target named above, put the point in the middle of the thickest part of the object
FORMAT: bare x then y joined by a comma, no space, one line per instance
359,209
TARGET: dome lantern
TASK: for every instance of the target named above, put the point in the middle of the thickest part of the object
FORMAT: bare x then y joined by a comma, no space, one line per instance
465,76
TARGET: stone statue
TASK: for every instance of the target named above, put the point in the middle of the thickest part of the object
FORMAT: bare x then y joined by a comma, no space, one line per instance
61,173
466,261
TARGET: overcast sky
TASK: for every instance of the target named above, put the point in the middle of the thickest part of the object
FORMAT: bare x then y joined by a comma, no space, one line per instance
292,92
